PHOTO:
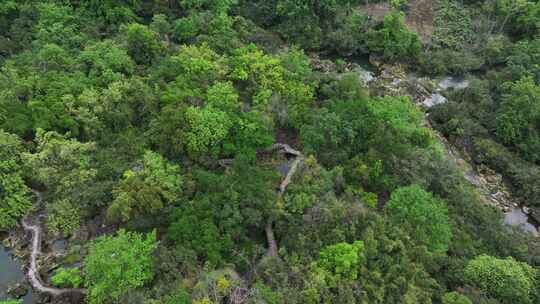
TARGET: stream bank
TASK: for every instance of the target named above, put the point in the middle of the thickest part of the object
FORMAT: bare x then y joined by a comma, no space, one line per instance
26,264
427,92
12,278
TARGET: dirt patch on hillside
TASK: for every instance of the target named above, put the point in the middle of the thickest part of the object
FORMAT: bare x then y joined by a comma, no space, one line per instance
376,10
419,16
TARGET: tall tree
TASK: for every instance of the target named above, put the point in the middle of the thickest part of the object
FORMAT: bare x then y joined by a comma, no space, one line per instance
507,280
425,216
65,167
146,189
117,265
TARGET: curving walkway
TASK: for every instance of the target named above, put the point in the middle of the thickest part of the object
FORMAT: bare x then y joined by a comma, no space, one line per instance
33,272
298,158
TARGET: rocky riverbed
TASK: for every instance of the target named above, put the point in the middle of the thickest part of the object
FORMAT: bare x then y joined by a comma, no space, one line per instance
426,92
12,279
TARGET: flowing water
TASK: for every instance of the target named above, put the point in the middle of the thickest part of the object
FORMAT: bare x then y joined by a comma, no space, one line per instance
11,274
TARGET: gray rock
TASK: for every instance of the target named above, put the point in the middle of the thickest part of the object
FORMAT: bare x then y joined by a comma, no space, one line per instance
18,290
454,83
365,76
434,100
517,218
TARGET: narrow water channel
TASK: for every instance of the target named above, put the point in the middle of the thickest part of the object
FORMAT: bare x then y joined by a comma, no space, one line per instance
11,273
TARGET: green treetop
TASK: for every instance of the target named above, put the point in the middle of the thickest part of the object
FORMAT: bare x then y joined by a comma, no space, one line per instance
118,264
507,280
422,213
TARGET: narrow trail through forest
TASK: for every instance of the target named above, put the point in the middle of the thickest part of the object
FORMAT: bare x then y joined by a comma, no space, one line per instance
33,271
298,158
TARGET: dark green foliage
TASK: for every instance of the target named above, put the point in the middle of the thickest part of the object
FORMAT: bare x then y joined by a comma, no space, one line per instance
224,209
453,25
518,118
15,198
159,116
523,58
65,166
142,43
146,190
393,40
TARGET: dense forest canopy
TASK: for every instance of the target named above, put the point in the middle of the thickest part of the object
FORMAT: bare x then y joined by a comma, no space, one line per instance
229,151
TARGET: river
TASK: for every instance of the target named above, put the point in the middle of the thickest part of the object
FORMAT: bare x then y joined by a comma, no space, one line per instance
11,273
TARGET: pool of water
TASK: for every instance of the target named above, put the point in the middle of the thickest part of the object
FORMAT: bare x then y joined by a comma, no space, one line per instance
10,274
517,218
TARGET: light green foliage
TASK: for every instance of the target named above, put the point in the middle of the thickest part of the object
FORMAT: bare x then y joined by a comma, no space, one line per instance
311,182
179,297
64,166
58,25
266,78
54,58
207,129
93,87
63,216
105,62
395,120
222,96
455,298
10,301
518,118
146,189
67,278
14,194
425,216
142,43
204,108
118,264
393,40
508,280
342,260
190,72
